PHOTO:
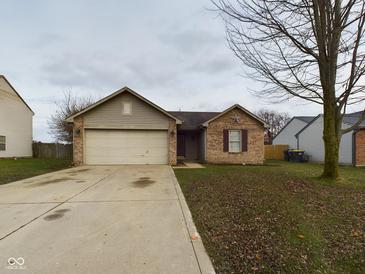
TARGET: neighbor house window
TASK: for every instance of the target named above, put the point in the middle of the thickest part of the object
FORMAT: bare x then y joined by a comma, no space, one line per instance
235,141
2,143
127,108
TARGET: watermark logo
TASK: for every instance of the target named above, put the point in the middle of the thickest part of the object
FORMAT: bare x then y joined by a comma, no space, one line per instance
14,263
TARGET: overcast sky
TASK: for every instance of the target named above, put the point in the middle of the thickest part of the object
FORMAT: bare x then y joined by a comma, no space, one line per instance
172,52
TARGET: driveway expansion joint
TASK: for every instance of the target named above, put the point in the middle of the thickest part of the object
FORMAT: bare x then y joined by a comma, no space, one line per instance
121,201
59,204
110,220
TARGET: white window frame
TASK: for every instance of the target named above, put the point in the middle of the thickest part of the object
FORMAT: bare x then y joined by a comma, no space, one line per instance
130,108
239,141
3,142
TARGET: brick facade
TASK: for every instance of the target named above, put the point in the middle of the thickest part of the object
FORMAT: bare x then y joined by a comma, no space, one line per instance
360,147
78,141
255,140
172,136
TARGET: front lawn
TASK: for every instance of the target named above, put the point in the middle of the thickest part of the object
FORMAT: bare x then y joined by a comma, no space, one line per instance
278,218
12,170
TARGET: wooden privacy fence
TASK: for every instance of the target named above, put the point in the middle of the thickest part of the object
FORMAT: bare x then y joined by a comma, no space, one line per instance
275,152
52,150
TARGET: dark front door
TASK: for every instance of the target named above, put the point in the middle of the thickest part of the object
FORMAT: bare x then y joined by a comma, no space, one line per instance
181,145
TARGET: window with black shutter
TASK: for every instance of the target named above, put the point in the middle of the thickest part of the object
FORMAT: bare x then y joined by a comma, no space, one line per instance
244,137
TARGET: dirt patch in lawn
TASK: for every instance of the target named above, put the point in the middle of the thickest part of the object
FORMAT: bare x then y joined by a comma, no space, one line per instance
143,182
253,221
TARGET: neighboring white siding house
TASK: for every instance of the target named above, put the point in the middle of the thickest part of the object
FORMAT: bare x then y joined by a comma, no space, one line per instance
310,140
15,123
287,135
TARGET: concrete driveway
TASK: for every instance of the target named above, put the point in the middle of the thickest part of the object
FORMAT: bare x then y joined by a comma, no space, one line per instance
99,219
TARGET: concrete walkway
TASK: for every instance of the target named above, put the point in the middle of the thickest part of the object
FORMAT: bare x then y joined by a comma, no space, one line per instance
99,219
187,165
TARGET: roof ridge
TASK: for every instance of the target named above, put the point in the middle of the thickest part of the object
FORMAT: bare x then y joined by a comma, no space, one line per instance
192,111
116,93
354,113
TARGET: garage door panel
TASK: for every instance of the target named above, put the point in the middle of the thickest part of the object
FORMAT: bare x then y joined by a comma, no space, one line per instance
126,147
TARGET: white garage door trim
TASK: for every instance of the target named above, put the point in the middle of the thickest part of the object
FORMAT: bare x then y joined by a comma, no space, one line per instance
115,147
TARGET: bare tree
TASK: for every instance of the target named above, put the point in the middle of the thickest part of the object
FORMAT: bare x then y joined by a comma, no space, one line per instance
307,49
274,119
67,106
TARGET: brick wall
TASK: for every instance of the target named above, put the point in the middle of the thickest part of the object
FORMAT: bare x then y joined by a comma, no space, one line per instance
255,151
172,135
78,139
360,148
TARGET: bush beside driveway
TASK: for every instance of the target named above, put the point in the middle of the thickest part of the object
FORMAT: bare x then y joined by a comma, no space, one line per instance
12,170
278,218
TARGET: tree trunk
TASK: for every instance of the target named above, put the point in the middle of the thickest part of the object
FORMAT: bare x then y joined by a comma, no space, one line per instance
331,137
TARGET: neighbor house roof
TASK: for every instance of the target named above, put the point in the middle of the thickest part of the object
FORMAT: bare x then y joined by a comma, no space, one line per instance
353,118
305,119
193,119
306,126
350,119
118,92
6,80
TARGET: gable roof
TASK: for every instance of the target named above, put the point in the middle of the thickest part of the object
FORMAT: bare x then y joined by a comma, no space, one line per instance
6,80
305,119
118,92
233,107
193,119
353,118
304,128
350,119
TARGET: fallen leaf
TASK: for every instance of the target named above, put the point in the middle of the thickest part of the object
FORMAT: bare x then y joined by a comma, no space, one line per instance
195,236
355,233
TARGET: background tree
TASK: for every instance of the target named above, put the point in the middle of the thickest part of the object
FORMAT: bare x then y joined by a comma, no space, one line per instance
67,106
274,119
307,49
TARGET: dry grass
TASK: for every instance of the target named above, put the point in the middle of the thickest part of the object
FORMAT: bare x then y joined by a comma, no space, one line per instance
278,218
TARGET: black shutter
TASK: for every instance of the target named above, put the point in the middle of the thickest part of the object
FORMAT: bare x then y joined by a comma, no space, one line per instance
244,140
225,140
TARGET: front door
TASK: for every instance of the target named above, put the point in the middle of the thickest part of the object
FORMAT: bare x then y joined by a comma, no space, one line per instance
181,145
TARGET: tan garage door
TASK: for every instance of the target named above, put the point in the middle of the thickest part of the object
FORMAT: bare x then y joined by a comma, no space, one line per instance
126,147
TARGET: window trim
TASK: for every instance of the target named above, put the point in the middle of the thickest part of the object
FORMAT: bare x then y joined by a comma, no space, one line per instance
3,143
239,140
130,108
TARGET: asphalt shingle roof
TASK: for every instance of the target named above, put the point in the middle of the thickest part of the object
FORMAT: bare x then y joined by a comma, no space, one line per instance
306,119
193,119
352,118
